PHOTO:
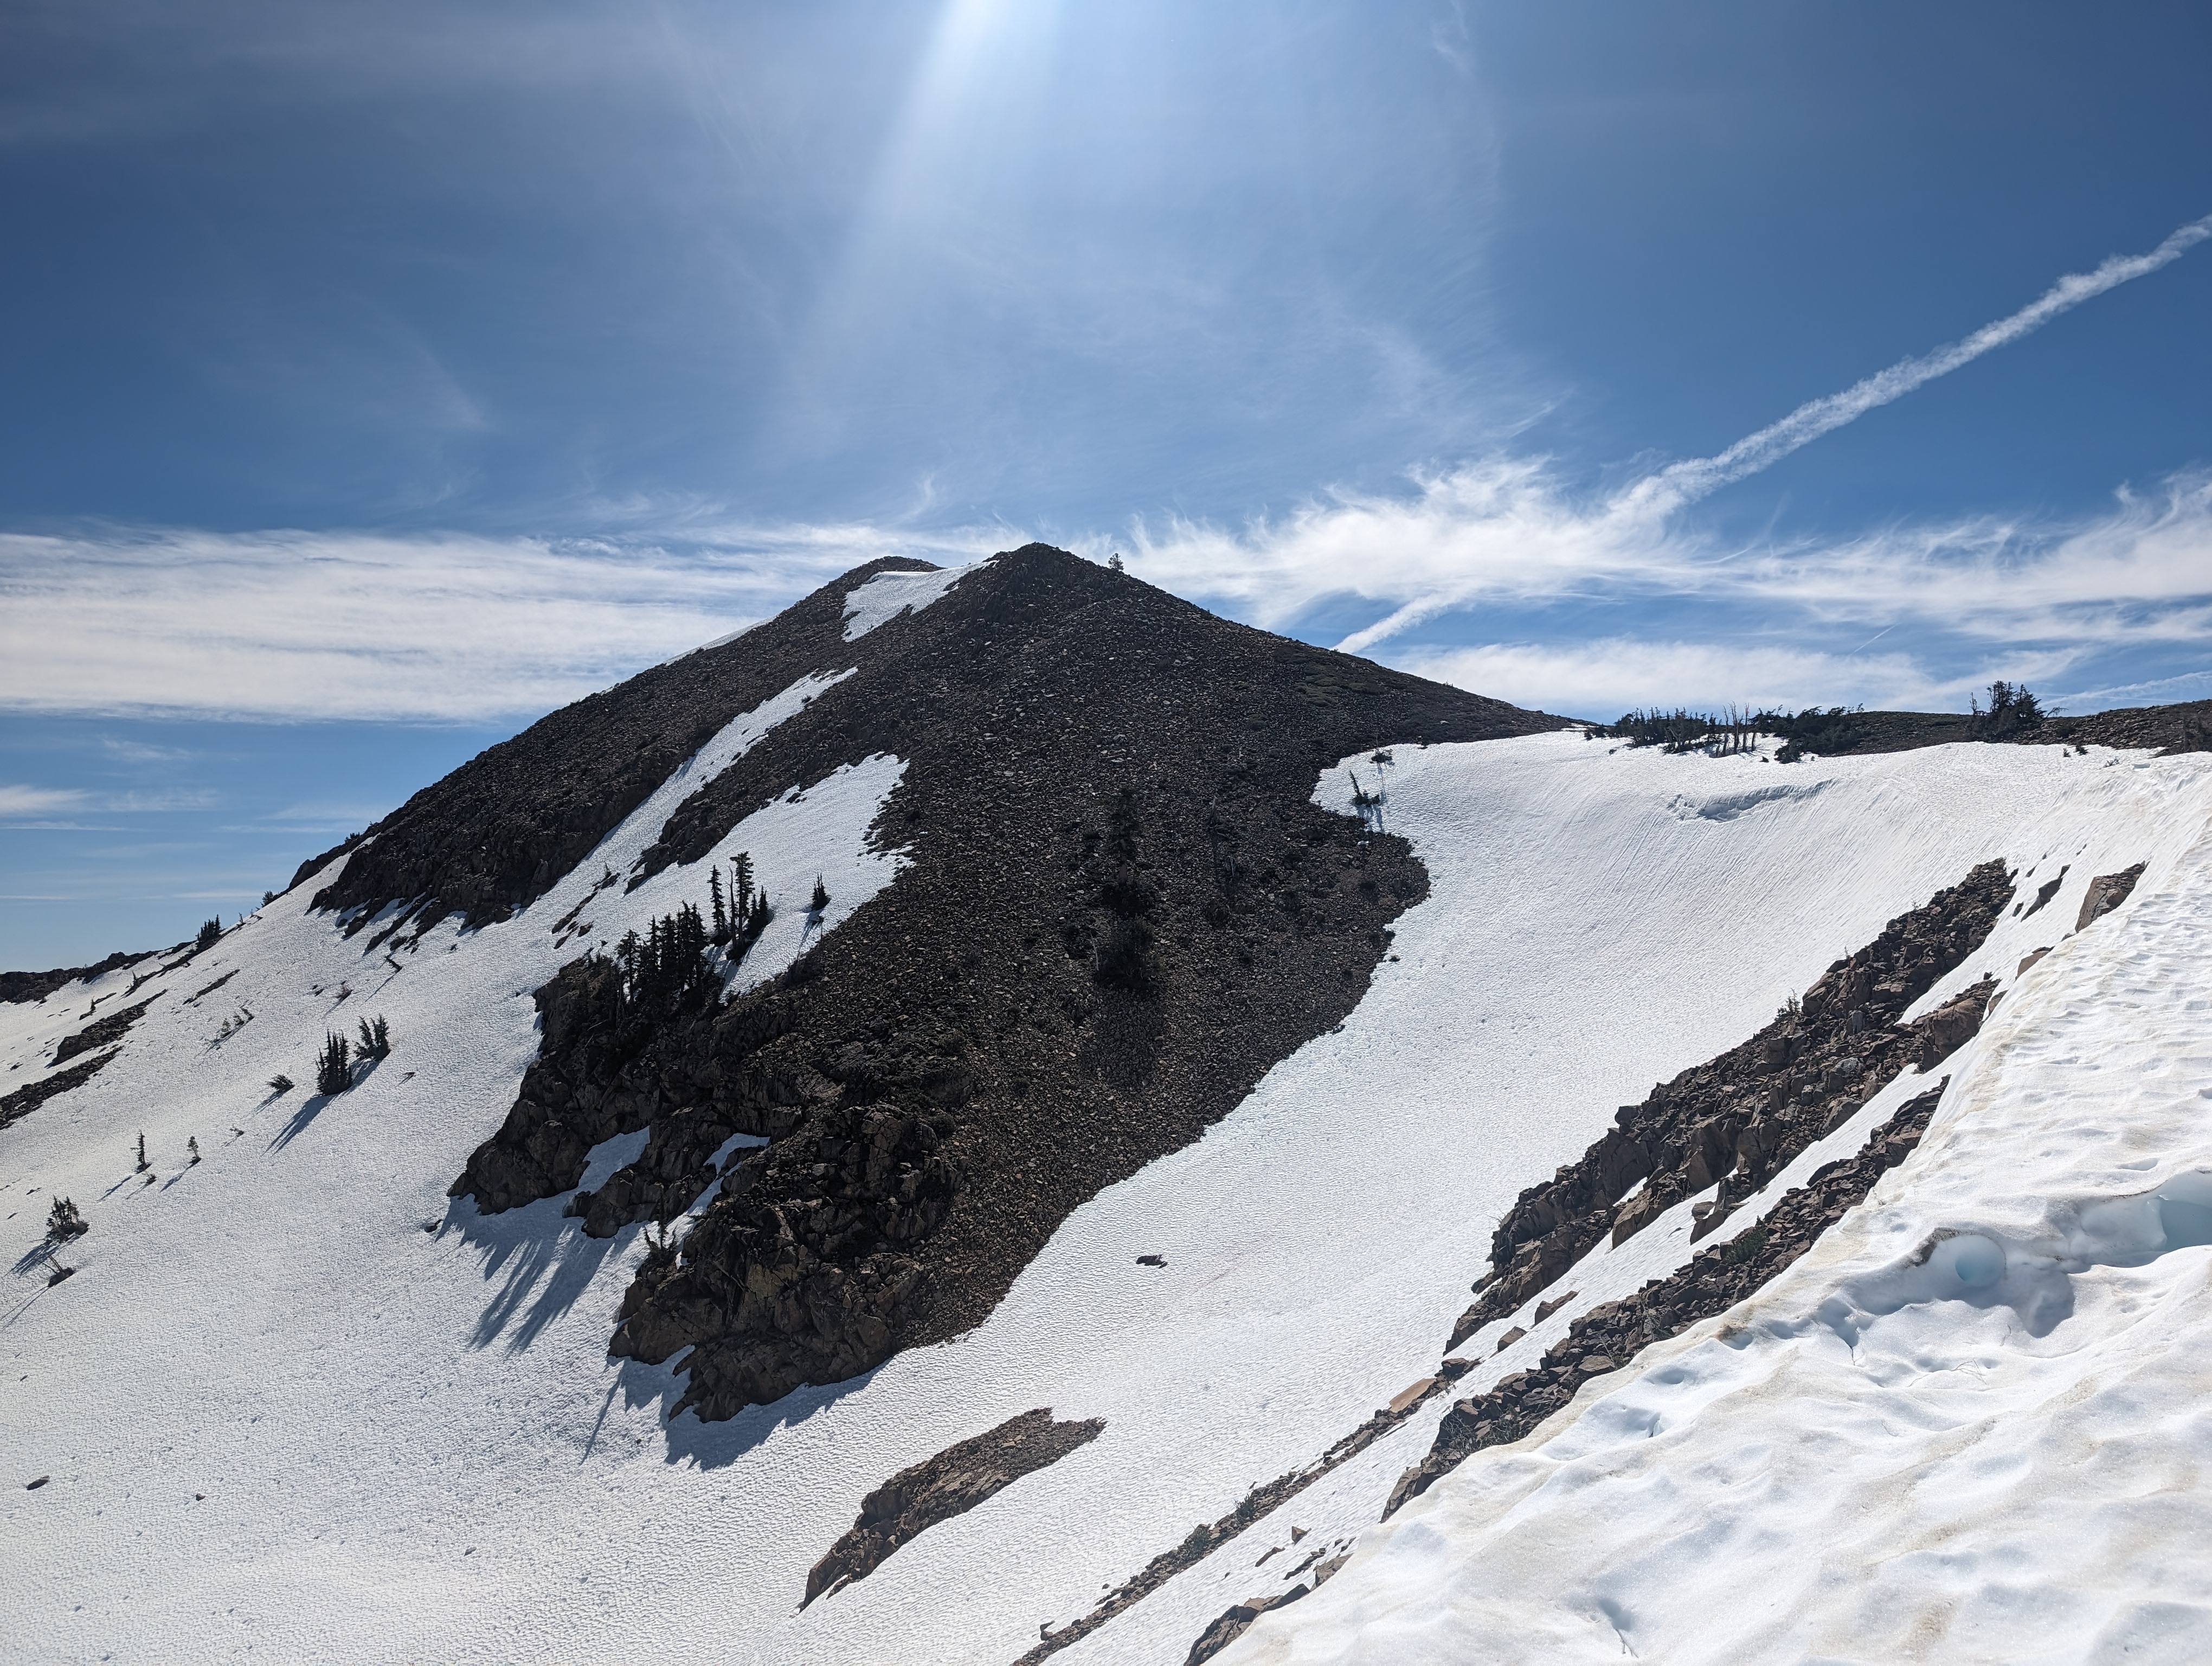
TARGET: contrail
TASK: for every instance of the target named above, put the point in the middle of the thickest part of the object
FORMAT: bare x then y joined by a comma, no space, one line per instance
1657,496
1696,478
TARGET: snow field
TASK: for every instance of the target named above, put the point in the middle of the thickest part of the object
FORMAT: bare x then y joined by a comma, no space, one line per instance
1968,1425
413,1445
297,1405
881,599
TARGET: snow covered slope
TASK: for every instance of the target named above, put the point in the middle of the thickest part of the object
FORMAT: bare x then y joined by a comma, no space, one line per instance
294,1404
1971,1423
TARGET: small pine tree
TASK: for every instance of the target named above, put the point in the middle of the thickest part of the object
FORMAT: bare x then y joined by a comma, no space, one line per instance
714,898
383,1037
192,1148
820,900
142,1163
333,1071
376,1041
741,889
1113,561
64,1222
210,932
280,1082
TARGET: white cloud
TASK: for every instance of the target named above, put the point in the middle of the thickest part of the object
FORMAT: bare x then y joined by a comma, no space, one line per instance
38,800
1506,531
295,625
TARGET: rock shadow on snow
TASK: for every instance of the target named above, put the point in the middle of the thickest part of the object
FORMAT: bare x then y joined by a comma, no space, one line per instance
714,1445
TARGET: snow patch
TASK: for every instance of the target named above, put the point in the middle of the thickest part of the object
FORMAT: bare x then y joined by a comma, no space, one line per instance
885,597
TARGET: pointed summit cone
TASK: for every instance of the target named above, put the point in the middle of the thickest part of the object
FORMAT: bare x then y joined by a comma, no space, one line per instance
1119,907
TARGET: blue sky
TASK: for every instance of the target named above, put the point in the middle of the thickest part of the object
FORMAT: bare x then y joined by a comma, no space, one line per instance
383,375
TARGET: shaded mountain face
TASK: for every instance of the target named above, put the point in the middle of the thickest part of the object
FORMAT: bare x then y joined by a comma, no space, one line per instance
1121,909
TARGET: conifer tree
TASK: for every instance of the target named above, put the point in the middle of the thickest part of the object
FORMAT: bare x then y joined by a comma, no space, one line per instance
142,1163
192,1148
333,1073
741,889
375,1040
820,900
715,898
210,932
64,1222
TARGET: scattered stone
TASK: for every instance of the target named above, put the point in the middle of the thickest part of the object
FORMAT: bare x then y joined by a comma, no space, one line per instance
1545,1310
1151,1261
2029,959
1412,1393
34,1485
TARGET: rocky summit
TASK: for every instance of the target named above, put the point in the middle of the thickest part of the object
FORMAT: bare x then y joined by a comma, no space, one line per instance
1118,908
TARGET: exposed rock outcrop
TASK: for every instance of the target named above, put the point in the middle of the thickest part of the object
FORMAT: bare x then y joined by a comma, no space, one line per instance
2106,892
103,1032
1607,1338
24,1100
1203,1540
37,985
937,1489
1233,1622
1737,1120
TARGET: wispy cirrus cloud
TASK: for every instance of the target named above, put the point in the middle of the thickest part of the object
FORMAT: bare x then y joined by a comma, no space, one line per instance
17,800
296,625
40,800
1509,531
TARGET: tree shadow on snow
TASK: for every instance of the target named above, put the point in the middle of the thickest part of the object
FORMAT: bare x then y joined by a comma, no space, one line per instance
315,1104
310,1108
542,1261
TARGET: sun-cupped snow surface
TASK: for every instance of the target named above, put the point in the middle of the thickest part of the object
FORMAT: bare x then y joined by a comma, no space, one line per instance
879,600
295,1404
1969,1424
